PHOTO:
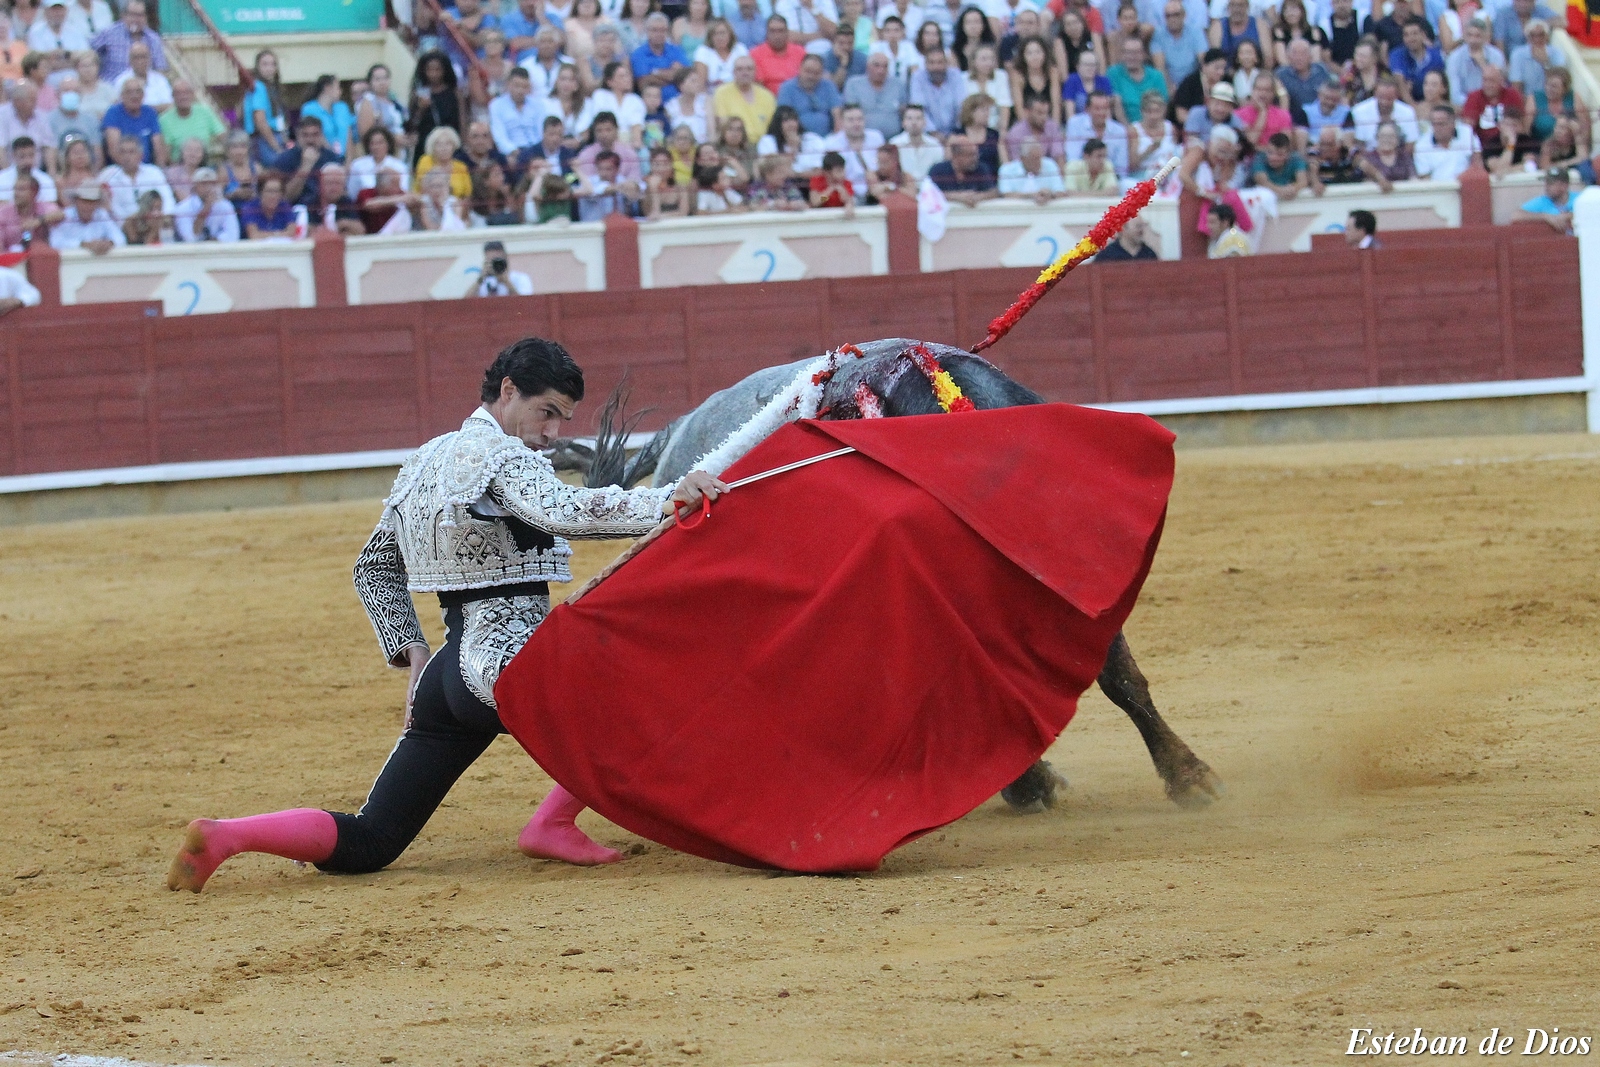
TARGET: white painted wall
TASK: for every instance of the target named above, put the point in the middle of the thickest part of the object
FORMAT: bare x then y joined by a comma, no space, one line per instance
766,246
194,279
443,266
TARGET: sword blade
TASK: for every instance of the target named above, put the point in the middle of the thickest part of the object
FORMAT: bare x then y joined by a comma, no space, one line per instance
796,465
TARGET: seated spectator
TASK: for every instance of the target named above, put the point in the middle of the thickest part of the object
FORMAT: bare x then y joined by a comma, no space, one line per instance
1435,90
1562,149
1228,240
1129,245
939,91
439,209
145,225
25,160
901,55
1154,141
918,151
1085,80
129,179
333,208
744,98
777,59
1412,62
1280,168
131,119
962,178
712,195
364,170
1260,117
616,95
974,124
889,176
515,119
717,55
842,61
812,97
545,61
26,217
856,144
439,154
338,121
664,196
1195,90
1530,62
188,119
1036,124
1132,78
1361,230
1091,174
1219,111
493,199
1384,105
1096,124
205,214
86,224
157,90
1247,67
831,188
479,150
785,137
191,157
496,278
1389,160
985,78
605,140
1177,45
1554,208
691,106
1389,28
1473,56
381,205
300,164
608,193
879,96
1301,78
1510,20
239,171
70,120
658,61
551,199
1447,149
1215,174
1329,109
269,215
1497,112
552,151
16,292
1554,101
738,152
1332,161
1031,175
570,102
98,96
56,34
775,187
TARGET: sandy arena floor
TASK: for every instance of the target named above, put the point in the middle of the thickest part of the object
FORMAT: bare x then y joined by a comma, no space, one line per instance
1388,651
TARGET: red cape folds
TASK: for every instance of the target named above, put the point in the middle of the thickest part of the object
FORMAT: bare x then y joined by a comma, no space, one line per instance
849,655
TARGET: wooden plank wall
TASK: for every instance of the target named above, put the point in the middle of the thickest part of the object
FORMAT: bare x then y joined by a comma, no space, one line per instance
117,385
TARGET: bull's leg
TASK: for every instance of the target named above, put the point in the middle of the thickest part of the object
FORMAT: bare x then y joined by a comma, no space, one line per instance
1190,783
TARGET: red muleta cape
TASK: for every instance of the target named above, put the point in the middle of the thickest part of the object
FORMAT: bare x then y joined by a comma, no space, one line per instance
847,656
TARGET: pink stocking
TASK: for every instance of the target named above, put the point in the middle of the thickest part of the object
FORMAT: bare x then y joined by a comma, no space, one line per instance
553,834
305,834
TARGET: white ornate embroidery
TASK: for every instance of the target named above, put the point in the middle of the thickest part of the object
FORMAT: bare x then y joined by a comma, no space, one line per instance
492,632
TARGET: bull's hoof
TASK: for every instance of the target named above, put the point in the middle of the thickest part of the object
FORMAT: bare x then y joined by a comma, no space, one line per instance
1035,791
1194,785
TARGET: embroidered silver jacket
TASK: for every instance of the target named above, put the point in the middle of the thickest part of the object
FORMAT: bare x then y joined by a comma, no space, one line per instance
443,529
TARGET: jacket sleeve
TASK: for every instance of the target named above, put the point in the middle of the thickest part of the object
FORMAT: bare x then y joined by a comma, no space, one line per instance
528,488
380,576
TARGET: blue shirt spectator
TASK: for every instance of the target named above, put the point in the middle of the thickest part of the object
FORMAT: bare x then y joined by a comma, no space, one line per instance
647,60
287,163
480,21
113,42
1414,69
1181,53
337,122
941,101
750,30
858,63
1508,22
1302,86
144,125
251,213
1078,93
815,105
1329,109
980,179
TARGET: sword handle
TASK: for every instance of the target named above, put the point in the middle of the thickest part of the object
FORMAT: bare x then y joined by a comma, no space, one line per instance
691,521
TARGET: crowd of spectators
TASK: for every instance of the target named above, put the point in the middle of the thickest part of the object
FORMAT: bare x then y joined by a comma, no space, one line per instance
539,111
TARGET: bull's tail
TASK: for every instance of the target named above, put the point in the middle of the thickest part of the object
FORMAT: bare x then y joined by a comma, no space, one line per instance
611,465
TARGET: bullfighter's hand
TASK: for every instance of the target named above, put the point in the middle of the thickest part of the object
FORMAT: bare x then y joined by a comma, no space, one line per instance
695,486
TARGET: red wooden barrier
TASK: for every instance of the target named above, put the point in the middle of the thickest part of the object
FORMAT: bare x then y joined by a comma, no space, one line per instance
108,386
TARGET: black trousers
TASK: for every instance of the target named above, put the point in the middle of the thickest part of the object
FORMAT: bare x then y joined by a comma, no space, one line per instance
450,728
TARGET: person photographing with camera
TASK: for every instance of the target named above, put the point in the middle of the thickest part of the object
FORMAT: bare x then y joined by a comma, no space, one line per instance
497,277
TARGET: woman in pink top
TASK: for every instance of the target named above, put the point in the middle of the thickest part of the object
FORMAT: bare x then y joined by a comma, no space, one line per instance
1260,117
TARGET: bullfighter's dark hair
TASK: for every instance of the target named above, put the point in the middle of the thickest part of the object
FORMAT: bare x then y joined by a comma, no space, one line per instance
534,365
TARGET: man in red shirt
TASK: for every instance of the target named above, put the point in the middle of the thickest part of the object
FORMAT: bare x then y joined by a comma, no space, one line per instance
831,188
1498,115
776,59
